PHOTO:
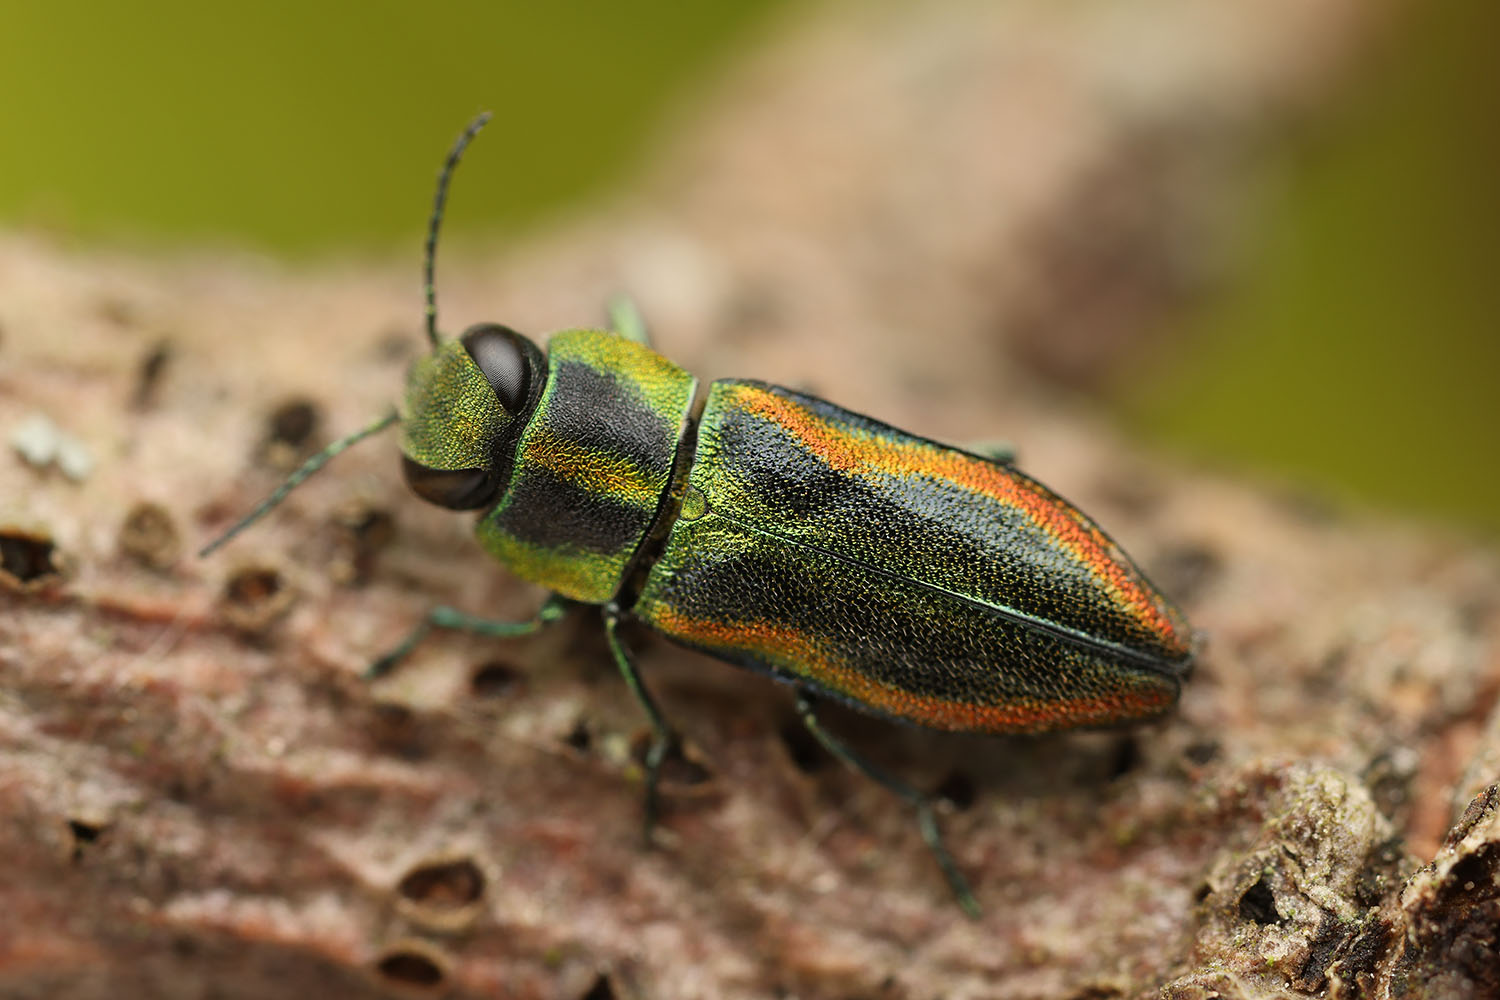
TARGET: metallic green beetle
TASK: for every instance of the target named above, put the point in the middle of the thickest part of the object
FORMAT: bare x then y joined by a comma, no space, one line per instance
778,532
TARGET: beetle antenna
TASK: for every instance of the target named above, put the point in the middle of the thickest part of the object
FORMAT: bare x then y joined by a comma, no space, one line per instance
429,253
296,479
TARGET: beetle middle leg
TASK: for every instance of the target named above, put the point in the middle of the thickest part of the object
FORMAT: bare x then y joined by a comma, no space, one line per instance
443,616
663,739
926,821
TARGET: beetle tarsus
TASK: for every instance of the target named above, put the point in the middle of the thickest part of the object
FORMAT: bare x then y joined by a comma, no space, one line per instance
385,663
443,616
663,739
926,820
661,747
959,885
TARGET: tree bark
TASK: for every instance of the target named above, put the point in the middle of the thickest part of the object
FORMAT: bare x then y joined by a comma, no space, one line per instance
949,215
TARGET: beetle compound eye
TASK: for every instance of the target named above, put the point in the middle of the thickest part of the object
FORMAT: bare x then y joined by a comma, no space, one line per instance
498,352
456,489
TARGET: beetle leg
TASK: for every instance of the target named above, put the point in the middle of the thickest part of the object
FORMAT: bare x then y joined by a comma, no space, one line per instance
446,617
999,452
926,821
626,320
663,738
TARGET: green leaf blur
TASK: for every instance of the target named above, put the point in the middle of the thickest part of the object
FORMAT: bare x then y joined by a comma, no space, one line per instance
1360,353
302,127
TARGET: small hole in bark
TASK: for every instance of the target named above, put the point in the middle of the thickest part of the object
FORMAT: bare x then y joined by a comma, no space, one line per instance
579,737
289,433
1203,891
494,678
410,965
254,597
1259,903
27,559
292,423
1185,571
1126,755
958,789
85,833
1389,777
449,883
149,536
397,345
1200,752
392,716
806,753
1133,495
253,586
371,527
364,530
396,729
1472,871
1097,991
149,374
602,989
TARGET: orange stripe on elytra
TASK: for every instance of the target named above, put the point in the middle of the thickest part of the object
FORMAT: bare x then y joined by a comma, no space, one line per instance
798,653
863,454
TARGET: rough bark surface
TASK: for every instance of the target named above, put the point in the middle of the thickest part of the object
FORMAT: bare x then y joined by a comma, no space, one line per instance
913,211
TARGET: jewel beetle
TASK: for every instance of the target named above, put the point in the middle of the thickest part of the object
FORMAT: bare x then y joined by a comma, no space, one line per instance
776,531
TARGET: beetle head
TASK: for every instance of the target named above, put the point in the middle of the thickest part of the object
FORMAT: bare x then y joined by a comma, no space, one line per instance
464,408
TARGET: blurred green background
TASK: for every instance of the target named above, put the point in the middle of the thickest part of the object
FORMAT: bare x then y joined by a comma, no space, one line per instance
306,127
1359,354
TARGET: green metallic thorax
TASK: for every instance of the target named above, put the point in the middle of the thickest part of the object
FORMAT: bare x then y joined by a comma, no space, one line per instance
592,465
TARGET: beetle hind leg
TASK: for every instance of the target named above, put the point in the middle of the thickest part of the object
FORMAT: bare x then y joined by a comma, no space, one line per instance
997,451
663,739
443,616
626,320
926,821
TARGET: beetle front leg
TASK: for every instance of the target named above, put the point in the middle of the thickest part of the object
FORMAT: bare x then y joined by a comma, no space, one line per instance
445,617
663,739
926,821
